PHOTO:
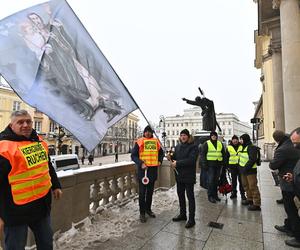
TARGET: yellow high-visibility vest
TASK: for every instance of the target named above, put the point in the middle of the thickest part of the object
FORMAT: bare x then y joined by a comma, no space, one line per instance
234,157
214,154
244,158
148,151
29,175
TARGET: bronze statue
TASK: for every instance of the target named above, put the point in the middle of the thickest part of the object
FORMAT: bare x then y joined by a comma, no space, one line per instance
209,121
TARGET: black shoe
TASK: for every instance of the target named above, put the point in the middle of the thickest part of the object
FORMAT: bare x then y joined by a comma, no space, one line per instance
190,224
151,214
217,198
143,218
280,201
283,229
245,202
254,208
179,217
212,199
293,243
233,196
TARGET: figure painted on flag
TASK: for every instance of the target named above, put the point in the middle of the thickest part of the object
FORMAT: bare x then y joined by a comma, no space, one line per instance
61,68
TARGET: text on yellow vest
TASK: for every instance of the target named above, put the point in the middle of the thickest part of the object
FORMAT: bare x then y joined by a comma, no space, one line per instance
29,176
148,151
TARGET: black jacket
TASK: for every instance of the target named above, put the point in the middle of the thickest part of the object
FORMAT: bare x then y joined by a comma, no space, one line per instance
252,152
11,213
204,162
151,171
186,156
285,159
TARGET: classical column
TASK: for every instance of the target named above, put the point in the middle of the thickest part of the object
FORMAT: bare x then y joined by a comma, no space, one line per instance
275,51
290,38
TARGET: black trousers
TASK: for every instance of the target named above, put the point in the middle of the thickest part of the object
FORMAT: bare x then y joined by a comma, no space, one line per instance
235,176
189,189
145,196
293,220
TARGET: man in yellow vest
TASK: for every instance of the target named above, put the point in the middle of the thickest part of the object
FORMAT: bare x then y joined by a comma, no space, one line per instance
248,169
26,180
148,156
212,155
232,159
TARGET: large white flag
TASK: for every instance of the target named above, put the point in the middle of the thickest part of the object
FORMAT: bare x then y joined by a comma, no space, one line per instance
53,64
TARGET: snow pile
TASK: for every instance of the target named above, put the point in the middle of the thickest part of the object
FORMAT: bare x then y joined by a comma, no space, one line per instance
112,222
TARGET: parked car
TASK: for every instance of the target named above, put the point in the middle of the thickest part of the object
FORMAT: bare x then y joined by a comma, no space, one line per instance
65,162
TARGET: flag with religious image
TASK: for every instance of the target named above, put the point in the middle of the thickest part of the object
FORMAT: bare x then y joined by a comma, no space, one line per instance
53,64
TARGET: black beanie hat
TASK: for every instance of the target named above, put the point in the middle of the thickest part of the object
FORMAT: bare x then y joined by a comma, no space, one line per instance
186,132
213,133
148,129
246,138
234,137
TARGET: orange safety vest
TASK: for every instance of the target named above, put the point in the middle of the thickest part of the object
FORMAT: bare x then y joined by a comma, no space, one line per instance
148,151
29,176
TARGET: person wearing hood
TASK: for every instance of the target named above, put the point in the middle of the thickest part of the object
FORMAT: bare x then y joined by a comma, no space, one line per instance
27,179
232,160
248,169
183,161
148,155
212,155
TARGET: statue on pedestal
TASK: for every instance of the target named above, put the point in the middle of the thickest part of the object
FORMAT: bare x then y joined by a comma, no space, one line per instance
209,121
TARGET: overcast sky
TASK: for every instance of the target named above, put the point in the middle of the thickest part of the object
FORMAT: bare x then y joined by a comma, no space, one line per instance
164,50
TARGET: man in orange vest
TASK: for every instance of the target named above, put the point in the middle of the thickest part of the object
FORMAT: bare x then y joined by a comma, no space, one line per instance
27,179
147,155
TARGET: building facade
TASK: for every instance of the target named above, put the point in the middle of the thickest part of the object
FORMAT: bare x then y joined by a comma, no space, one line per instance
192,120
278,58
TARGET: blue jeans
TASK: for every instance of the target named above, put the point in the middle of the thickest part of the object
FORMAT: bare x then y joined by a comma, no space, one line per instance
16,236
213,178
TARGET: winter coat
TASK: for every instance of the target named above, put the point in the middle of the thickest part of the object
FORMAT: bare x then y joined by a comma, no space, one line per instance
11,213
151,171
205,163
186,156
285,159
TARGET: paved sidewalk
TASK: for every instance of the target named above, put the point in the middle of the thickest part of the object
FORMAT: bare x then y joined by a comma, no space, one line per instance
242,229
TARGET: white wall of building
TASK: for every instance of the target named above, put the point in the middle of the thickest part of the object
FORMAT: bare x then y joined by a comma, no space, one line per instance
192,120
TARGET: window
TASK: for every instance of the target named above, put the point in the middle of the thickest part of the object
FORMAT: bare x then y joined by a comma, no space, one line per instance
181,124
168,133
38,126
177,124
177,132
229,131
173,132
52,127
229,123
16,105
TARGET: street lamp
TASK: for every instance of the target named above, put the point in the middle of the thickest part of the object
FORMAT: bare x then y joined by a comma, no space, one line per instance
162,123
60,134
256,122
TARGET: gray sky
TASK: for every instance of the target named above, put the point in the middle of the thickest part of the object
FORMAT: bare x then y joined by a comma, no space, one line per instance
164,50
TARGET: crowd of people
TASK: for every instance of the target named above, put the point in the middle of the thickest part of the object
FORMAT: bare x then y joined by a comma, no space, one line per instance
28,179
234,164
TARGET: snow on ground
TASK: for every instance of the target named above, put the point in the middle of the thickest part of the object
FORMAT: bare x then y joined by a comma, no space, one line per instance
112,222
